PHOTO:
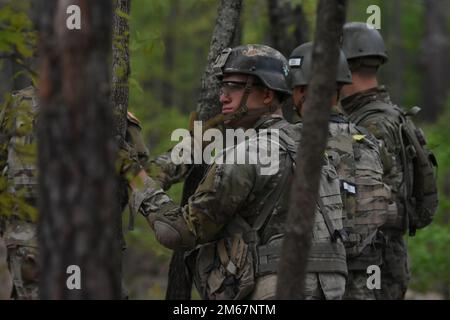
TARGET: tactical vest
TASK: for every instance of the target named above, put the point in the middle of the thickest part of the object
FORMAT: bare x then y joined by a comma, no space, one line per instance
247,249
367,200
418,190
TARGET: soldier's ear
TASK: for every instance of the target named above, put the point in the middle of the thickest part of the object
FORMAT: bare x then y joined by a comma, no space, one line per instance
269,96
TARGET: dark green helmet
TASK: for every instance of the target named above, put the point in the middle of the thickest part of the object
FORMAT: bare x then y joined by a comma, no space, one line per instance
300,64
263,62
361,41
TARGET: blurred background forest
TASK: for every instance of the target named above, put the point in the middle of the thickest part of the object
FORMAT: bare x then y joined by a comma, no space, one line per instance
169,45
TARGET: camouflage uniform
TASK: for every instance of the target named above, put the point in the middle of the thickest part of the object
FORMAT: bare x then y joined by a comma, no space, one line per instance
361,222
234,222
367,209
19,270
18,229
384,124
228,259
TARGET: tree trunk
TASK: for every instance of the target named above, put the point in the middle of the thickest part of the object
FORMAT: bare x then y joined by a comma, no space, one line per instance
297,242
119,99
396,65
120,64
288,27
76,149
6,83
167,90
228,13
283,17
435,59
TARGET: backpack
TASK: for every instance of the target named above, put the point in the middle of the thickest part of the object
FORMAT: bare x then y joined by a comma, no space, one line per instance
367,200
421,198
419,193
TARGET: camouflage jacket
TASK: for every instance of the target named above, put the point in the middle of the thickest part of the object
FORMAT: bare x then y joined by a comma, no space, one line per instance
226,191
18,157
384,125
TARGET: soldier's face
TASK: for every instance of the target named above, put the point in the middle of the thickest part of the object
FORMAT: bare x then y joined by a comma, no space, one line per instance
299,97
232,91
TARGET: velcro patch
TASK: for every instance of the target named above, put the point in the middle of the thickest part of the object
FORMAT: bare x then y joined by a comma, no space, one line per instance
295,62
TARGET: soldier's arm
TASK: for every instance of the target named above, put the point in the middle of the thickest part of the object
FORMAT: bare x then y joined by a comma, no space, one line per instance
165,171
134,137
218,198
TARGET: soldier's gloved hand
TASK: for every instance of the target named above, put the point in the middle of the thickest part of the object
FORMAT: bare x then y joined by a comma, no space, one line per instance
127,162
158,173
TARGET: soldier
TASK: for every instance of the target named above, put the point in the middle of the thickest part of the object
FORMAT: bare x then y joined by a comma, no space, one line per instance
18,238
369,105
234,222
18,228
356,156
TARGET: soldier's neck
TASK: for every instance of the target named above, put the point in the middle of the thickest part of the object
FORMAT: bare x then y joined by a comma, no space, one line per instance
359,84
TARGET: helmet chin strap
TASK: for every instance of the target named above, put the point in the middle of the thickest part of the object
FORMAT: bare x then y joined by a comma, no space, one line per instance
243,110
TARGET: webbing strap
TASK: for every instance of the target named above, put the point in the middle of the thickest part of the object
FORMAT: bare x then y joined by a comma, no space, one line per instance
327,257
227,261
334,233
357,249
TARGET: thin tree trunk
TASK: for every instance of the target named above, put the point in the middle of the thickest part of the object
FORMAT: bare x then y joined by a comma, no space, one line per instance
435,59
396,66
119,98
76,149
228,13
6,83
297,242
283,17
167,90
288,27
120,64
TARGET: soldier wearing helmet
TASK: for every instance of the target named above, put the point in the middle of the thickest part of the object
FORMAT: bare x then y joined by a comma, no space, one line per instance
254,72
368,104
19,252
228,225
365,198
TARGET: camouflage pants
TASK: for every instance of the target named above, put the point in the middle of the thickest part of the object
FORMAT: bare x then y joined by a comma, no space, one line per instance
19,239
324,286
318,286
395,273
356,288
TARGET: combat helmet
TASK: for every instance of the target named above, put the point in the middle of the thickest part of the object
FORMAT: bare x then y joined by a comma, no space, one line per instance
300,62
267,66
263,62
363,43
